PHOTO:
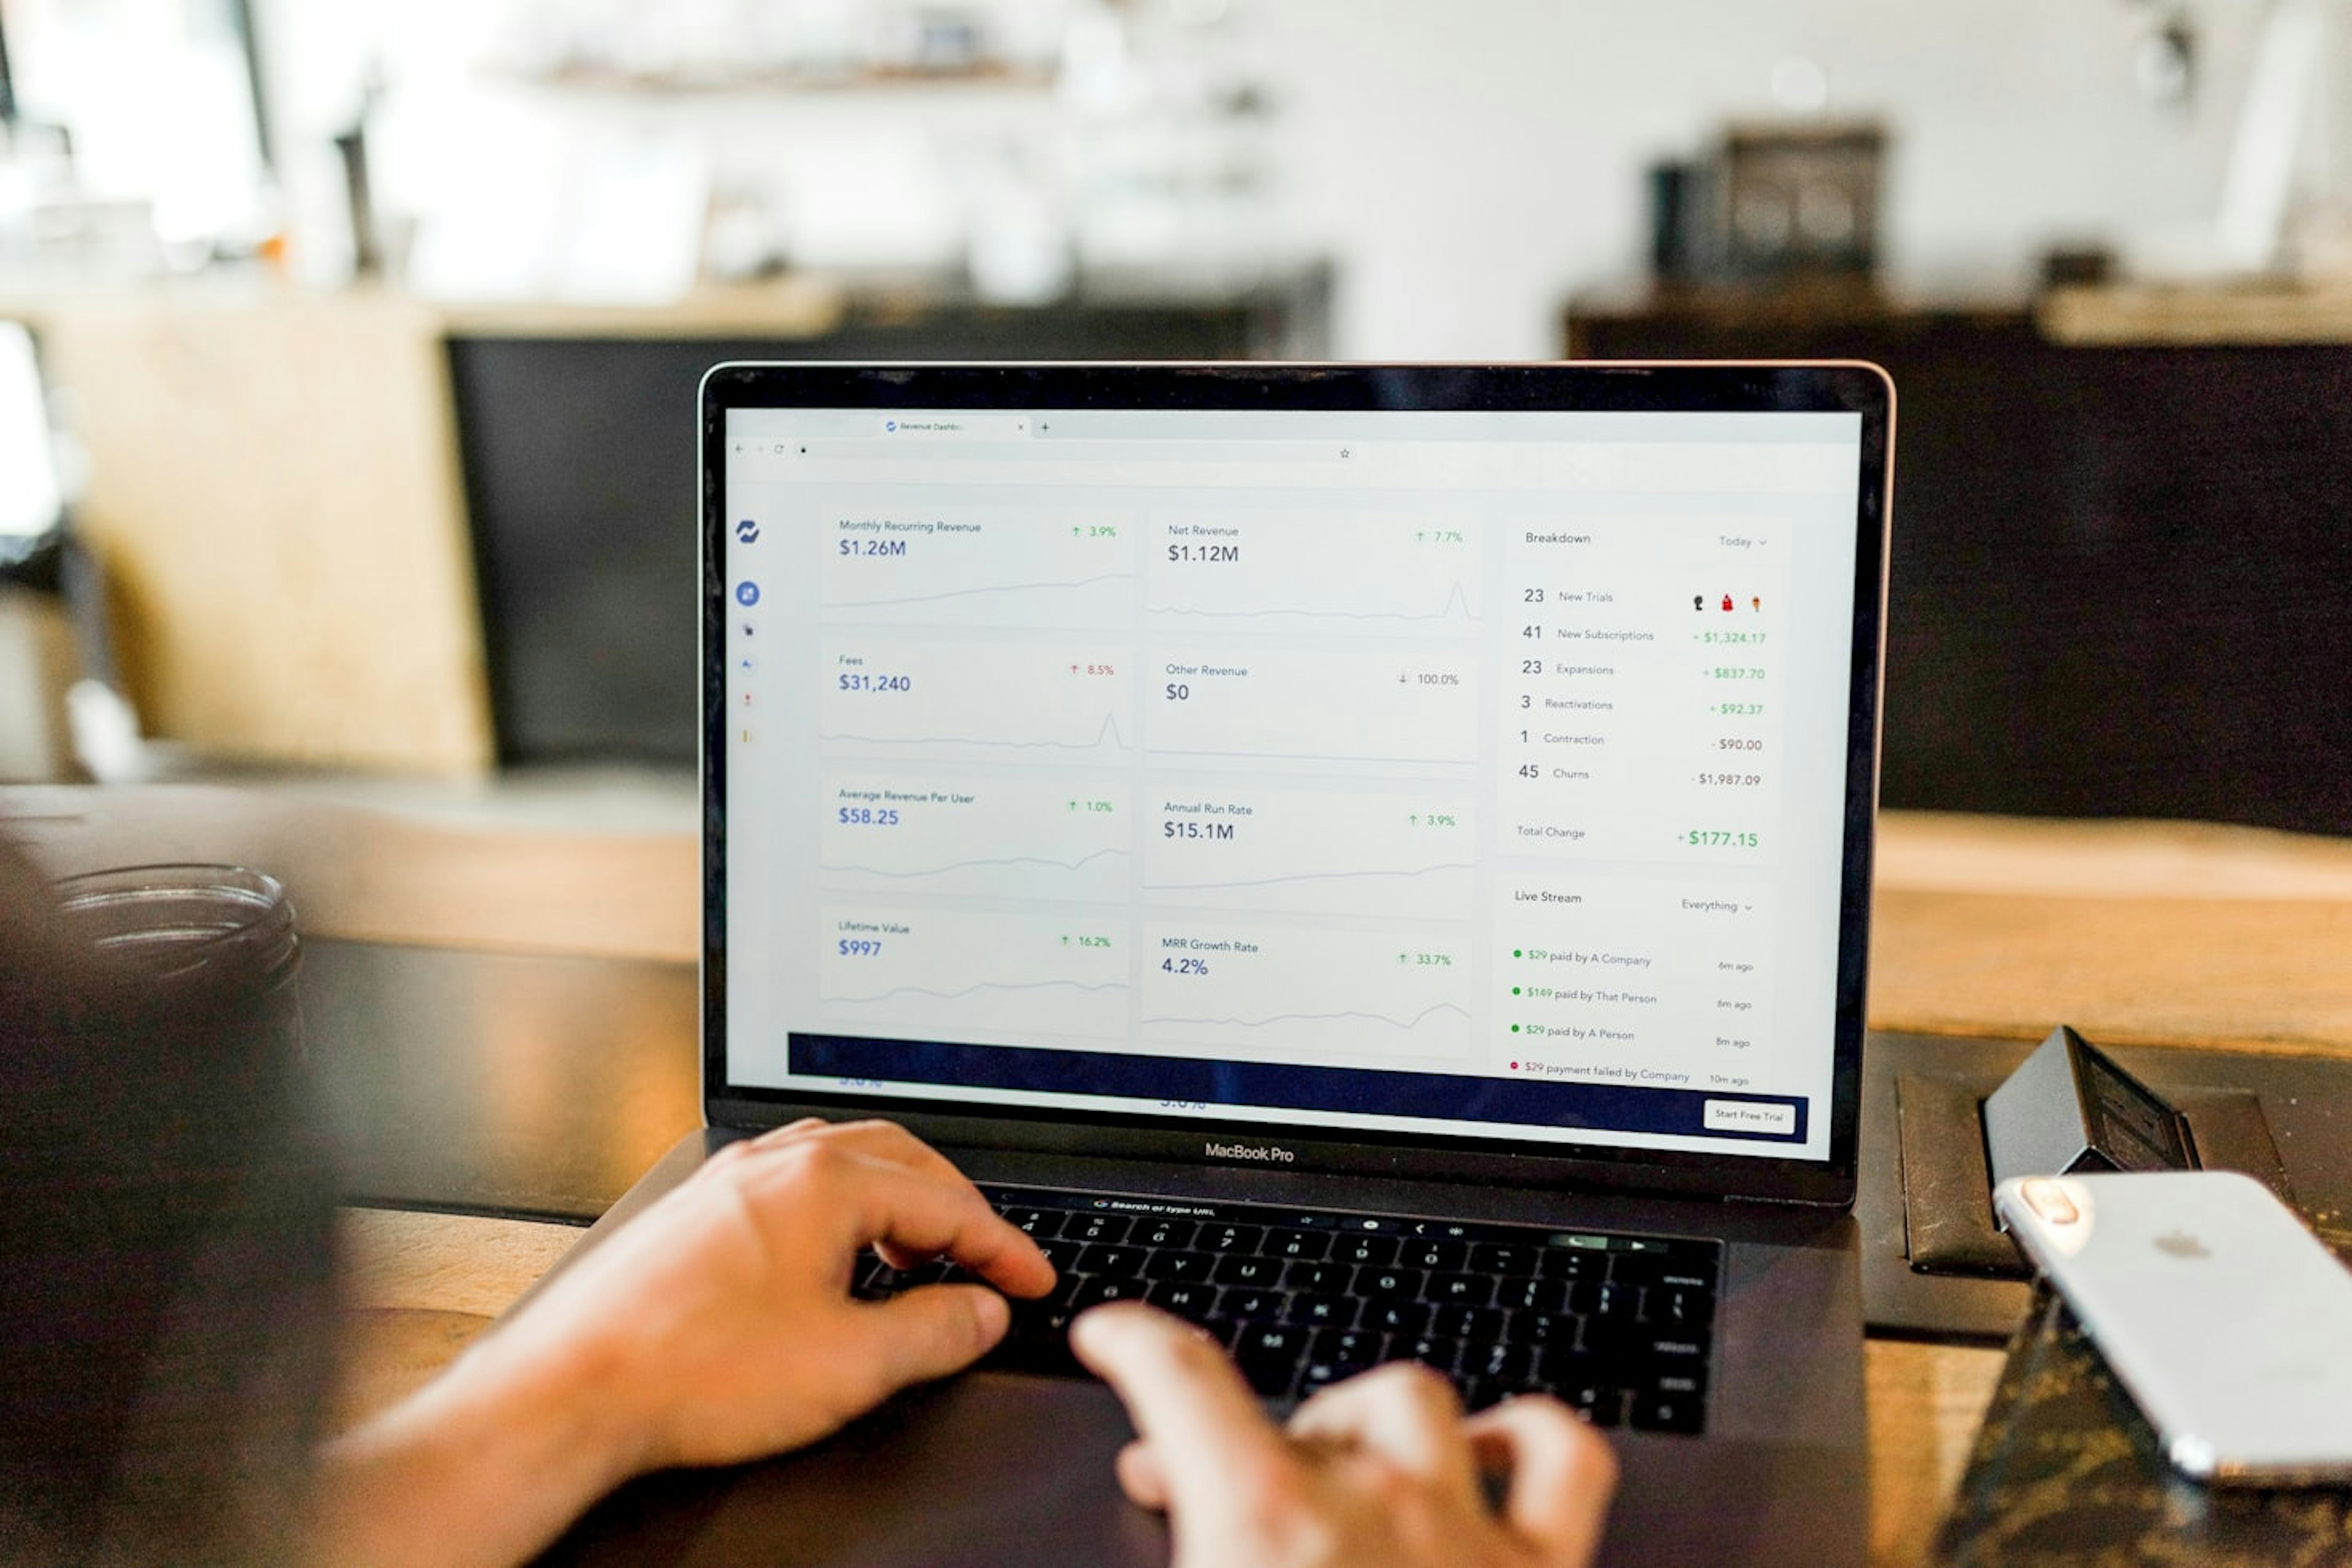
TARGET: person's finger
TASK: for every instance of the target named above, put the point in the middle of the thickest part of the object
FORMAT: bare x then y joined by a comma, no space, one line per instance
1402,1411
776,1136
1210,1439
1562,1474
914,1213
929,1332
1140,1477
881,1140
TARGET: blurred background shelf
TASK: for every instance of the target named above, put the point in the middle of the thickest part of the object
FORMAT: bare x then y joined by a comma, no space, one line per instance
2120,561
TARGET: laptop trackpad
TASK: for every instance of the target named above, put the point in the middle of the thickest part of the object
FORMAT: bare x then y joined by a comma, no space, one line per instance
985,1470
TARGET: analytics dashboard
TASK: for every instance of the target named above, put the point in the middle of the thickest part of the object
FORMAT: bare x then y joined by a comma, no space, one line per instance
1458,773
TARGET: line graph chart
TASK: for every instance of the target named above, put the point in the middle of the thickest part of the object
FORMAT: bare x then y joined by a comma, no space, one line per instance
972,976
976,700
983,836
1374,575
982,567
1307,991
1313,852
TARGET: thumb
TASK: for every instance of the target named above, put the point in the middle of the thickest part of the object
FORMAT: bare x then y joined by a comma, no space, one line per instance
931,1331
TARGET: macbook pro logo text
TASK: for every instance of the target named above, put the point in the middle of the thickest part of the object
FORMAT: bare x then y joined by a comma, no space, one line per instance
1263,1151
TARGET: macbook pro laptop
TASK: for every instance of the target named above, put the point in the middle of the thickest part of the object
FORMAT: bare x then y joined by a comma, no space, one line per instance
1373,860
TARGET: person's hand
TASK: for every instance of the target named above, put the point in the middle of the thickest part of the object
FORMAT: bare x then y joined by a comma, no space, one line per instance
723,1314
1382,1468
718,1326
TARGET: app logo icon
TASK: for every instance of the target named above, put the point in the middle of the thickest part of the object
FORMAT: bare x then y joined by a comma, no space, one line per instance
889,425
747,595
747,531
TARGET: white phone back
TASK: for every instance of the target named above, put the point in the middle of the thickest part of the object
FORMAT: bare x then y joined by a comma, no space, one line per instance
2227,1321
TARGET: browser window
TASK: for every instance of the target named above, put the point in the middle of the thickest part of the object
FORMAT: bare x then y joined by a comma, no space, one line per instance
1465,773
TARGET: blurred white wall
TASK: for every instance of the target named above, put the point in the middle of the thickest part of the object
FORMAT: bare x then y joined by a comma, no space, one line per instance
1465,165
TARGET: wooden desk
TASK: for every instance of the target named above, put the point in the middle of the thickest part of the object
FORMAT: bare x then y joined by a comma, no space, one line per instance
2133,932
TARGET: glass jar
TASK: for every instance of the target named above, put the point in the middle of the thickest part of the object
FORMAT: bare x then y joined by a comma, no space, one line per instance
205,936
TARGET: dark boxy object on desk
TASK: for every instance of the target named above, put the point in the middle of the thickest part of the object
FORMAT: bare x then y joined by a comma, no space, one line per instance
166,1294
2070,1107
2066,1470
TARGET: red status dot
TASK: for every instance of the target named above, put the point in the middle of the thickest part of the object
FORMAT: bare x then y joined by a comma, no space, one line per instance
1514,1067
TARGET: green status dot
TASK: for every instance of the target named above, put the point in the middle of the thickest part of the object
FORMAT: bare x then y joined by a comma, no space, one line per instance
1514,991
1514,1028
1516,954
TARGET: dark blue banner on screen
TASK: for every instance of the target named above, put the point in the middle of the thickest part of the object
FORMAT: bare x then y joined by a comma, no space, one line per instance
1282,1086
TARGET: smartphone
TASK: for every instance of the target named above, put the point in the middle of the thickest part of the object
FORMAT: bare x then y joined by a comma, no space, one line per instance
2218,1311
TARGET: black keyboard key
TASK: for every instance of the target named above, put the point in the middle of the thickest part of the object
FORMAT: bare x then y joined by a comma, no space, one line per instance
1183,1298
1269,1357
1502,1257
1669,1413
1392,1284
1617,1339
1040,1224
1321,1311
1539,1296
1460,1291
1038,1341
1676,1348
1419,1252
1298,1246
1685,1379
1604,1299
1066,1289
1189,1267
1396,1317
1162,1233
1601,1403
1127,1262
1366,1251
1093,1292
1430,1351
1539,1328
1217,1237
1512,1364
1096,1227
1323,1279
1668,1308
1251,1306
1060,1253
1362,1346
1650,1268
1482,1324
1572,1263
1238,1269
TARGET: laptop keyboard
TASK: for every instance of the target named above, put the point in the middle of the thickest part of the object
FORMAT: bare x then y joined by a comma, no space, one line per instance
1618,1326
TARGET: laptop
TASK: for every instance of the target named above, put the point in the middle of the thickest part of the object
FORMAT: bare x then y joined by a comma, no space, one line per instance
1372,859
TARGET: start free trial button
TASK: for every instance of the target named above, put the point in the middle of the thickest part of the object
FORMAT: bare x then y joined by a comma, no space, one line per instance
1749,1116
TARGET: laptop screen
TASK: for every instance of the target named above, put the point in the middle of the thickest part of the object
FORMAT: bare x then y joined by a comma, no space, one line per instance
1476,776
